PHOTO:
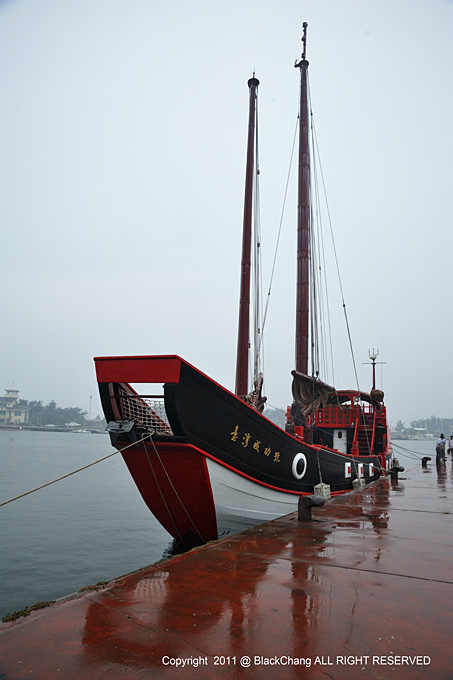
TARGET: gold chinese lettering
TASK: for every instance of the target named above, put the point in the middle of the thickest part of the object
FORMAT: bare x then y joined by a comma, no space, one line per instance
234,434
246,439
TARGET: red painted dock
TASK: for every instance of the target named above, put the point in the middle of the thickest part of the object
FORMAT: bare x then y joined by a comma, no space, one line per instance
364,593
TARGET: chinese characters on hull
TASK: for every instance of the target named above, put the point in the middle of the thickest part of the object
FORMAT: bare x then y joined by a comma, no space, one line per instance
245,440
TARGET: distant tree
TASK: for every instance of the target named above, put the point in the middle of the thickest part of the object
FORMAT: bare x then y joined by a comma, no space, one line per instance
54,415
36,412
277,415
434,425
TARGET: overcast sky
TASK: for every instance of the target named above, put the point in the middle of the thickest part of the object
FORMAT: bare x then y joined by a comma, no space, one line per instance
123,134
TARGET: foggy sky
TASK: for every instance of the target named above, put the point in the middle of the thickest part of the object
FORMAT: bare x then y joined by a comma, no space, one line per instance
123,142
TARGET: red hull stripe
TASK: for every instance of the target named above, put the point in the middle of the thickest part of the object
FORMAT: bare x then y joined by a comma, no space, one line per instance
163,446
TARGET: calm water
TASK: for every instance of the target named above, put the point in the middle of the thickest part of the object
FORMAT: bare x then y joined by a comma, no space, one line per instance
90,527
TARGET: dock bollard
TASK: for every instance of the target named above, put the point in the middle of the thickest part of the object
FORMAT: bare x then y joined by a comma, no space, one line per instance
306,503
425,460
395,470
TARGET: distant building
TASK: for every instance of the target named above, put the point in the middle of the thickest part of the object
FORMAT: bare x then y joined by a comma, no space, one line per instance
12,413
97,424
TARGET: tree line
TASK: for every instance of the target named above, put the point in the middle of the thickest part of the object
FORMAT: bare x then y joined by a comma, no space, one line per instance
432,425
51,414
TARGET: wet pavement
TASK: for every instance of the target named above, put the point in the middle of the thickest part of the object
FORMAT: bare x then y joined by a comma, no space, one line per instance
365,590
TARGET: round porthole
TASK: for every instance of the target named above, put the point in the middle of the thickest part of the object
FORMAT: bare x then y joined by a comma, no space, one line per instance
299,466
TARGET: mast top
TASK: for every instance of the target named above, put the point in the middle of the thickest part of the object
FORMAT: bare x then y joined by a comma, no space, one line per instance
303,63
253,82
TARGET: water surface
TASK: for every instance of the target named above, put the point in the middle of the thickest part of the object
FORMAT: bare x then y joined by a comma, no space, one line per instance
90,527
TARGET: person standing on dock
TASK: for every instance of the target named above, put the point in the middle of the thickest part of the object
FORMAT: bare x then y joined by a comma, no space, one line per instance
440,450
450,446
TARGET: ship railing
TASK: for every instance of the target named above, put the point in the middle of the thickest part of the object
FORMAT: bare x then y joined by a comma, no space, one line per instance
374,432
147,410
335,416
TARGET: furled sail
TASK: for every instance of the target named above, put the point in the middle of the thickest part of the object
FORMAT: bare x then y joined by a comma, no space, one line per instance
310,394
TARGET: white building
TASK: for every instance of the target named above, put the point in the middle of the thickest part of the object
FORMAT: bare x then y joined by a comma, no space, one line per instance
12,413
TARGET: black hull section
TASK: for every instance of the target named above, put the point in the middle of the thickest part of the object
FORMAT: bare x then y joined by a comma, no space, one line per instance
228,430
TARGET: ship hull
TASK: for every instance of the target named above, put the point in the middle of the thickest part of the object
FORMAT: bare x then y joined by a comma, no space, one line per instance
221,457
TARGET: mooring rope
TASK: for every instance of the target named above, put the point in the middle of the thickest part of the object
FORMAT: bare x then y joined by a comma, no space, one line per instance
174,490
160,490
319,466
54,481
415,455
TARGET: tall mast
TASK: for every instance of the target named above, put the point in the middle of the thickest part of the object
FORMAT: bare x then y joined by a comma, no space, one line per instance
303,219
244,305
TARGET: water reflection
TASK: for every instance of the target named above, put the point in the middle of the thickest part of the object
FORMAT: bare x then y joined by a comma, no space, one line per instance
263,591
174,548
160,611
442,476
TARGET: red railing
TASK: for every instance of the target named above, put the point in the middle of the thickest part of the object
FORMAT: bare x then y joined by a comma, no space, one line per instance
335,416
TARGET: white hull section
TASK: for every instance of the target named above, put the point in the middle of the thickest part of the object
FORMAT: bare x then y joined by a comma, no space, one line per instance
245,502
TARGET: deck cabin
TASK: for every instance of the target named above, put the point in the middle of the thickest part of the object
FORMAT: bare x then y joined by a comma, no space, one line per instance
354,423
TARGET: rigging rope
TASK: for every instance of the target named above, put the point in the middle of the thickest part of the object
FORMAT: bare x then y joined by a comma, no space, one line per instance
348,329
280,228
256,270
336,258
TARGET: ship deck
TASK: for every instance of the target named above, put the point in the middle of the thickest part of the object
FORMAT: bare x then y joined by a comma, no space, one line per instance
364,590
